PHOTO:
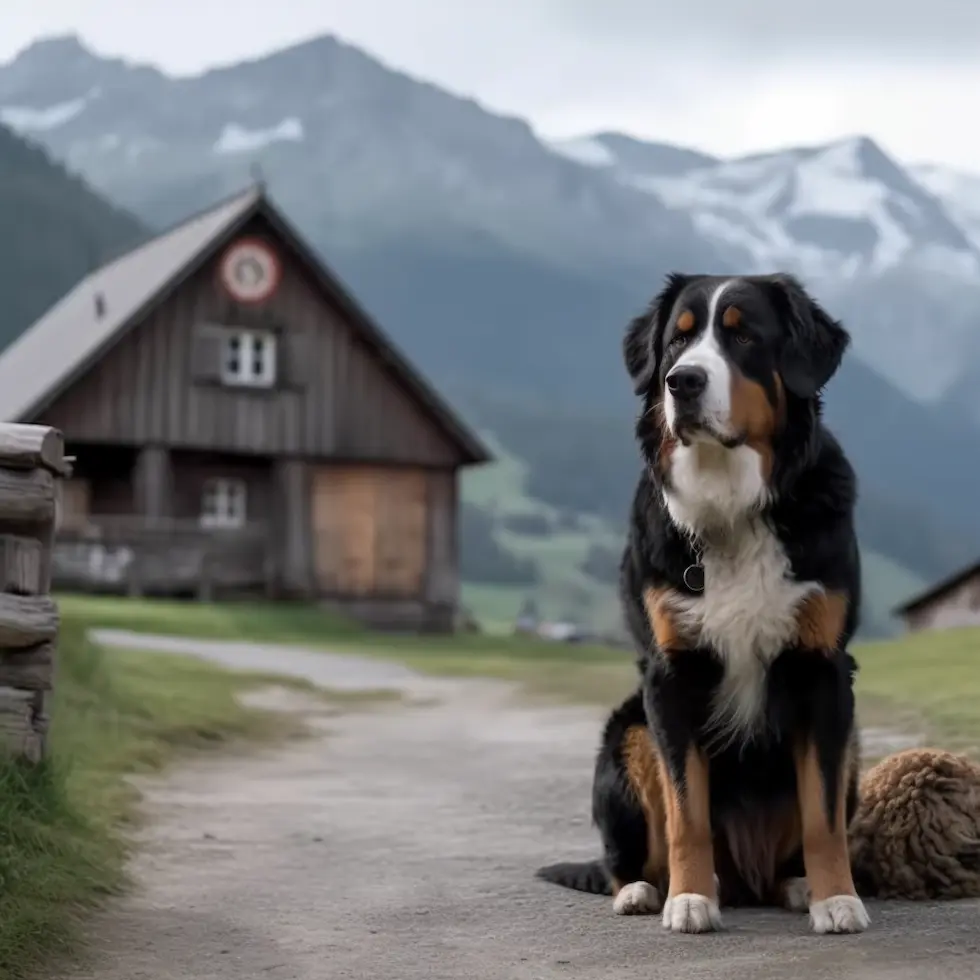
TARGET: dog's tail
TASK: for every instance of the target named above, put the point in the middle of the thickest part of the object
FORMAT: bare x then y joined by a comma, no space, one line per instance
582,876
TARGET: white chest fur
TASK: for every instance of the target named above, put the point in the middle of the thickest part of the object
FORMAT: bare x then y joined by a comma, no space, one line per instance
747,611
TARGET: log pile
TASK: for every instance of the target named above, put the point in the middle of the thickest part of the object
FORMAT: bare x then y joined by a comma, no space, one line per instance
32,464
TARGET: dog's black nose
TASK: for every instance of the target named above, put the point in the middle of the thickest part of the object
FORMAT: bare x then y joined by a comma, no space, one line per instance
686,383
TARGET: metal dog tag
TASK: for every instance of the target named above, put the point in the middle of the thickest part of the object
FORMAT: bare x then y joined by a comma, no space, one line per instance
694,577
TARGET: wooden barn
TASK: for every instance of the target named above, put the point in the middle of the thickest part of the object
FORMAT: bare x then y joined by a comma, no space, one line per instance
955,601
240,424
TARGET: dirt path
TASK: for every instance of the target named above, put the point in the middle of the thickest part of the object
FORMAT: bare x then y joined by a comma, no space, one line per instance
402,844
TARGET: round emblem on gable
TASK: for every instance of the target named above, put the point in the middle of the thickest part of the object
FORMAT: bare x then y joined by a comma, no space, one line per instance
250,271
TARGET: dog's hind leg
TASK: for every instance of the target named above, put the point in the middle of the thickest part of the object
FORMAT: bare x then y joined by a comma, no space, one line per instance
794,894
628,808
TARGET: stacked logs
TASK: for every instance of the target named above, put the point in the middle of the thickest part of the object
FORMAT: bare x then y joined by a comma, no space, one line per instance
32,464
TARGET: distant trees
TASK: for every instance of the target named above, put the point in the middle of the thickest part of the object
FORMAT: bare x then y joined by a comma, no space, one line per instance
55,230
483,560
602,564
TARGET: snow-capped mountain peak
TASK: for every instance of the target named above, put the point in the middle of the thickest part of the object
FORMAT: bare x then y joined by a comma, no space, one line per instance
842,209
958,191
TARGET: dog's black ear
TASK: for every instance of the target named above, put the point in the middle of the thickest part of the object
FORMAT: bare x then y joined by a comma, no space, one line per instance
643,343
814,343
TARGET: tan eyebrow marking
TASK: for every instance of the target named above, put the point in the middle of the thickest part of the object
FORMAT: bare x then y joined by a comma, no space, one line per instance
732,317
685,321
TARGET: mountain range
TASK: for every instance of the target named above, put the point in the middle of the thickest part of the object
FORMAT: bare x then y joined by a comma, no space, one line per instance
507,265
891,248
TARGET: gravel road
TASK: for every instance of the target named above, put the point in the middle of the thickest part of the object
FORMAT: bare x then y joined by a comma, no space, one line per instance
401,844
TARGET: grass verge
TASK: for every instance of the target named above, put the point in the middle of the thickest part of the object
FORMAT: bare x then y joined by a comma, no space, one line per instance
927,681
282,622
62,849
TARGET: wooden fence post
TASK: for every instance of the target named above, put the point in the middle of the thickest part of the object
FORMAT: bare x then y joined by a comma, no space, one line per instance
32,464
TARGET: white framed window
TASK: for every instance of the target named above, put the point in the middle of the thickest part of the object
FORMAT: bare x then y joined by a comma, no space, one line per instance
223,503
248,357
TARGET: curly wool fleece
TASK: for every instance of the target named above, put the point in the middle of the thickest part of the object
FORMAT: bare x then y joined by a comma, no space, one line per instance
916,833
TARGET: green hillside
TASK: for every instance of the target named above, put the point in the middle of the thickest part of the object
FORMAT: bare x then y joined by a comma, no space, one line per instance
55,230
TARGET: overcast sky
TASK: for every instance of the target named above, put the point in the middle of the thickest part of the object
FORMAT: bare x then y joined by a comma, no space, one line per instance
729,76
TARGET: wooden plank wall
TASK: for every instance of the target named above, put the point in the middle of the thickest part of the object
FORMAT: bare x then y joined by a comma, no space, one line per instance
153,482
957,607
442,568
336,399
401,545
292,529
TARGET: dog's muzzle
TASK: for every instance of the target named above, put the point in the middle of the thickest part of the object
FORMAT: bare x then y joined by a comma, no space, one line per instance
686,385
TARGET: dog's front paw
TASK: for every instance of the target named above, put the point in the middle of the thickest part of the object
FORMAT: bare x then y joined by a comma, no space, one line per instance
839,913
637,898
691,913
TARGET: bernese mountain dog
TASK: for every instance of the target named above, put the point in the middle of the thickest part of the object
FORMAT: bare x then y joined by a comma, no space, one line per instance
730,776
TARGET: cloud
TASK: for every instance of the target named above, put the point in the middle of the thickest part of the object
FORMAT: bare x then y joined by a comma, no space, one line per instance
730,76
823,29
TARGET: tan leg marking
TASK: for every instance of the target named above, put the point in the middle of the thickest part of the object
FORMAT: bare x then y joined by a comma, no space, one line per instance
692,899
644,771
828,866
663,623
820,621
690,851
834,905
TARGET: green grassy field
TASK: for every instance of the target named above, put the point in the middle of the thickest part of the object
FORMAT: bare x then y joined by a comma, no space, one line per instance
62,847
929,680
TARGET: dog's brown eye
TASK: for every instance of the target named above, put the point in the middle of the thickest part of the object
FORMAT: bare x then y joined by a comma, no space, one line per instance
678,340
742,338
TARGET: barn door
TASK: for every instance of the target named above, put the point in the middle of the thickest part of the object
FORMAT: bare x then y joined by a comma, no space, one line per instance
400,519
370,530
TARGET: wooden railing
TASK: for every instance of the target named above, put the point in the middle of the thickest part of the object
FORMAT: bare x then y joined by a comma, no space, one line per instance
32,462
130,554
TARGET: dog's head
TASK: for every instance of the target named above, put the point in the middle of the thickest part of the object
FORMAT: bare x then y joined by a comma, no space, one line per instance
723,360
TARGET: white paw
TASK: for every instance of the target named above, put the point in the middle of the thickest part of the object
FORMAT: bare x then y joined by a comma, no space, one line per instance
840,913
691,913
637,898
796,894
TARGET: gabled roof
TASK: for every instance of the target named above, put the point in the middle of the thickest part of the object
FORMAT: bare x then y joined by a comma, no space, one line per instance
941,587
82,326
70,335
